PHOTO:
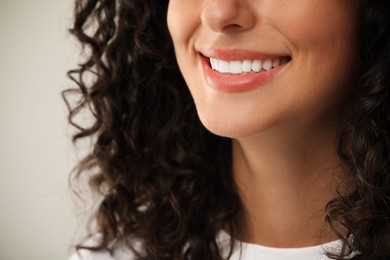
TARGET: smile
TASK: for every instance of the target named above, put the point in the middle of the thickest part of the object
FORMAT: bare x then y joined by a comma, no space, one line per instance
240,70
246,66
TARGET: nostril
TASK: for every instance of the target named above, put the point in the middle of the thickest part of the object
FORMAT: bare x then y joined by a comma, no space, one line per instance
232,28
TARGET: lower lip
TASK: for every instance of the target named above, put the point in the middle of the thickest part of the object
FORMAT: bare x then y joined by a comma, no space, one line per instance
237,82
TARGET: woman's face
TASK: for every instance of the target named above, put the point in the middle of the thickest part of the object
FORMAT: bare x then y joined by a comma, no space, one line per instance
253,65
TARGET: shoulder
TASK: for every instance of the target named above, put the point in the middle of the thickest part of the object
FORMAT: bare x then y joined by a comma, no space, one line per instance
119,252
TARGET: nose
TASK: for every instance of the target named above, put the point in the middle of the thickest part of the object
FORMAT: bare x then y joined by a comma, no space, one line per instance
227,15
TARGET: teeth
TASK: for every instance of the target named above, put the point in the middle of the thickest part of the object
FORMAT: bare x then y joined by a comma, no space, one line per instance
212,62
276,63
235,67
267,65
224,66
256,66
246,66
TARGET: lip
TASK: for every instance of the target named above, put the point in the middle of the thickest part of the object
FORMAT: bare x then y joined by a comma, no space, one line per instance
238,54
237,82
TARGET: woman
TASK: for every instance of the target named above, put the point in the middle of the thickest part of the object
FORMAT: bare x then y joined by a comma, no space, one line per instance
273,145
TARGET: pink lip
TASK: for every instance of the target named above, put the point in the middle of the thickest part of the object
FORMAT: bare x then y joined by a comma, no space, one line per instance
237,54
237,82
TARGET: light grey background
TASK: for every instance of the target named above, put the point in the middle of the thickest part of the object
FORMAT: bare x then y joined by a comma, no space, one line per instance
37,220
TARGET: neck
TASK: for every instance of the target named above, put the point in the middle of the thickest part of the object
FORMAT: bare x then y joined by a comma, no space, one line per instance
285,179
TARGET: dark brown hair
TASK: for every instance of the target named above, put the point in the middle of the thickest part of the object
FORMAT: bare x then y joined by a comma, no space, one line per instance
165,180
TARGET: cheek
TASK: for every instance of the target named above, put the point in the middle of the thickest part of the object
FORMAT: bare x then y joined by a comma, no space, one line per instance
182,19
320,24
323,39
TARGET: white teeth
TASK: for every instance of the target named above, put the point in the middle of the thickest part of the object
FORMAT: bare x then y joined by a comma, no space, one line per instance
246,66
267,65
224,66
212,62
256,66
235,67
275,63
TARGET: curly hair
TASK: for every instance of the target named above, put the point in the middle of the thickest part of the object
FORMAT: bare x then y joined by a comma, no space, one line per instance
165,180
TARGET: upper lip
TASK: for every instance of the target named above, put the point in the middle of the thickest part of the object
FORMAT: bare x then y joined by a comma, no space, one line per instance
239,54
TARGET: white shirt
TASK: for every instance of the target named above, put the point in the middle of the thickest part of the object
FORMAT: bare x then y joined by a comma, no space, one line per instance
243,251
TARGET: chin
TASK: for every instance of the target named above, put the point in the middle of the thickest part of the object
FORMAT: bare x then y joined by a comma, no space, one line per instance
230,129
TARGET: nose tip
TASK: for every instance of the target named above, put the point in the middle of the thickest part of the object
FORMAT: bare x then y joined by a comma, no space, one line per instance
226,15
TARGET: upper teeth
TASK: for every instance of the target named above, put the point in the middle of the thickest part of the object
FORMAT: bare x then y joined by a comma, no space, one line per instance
237,67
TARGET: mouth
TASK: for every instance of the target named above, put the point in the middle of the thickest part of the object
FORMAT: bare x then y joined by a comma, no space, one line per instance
241,70
247,66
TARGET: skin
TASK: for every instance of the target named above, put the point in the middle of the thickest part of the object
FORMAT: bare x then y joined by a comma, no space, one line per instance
284,131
